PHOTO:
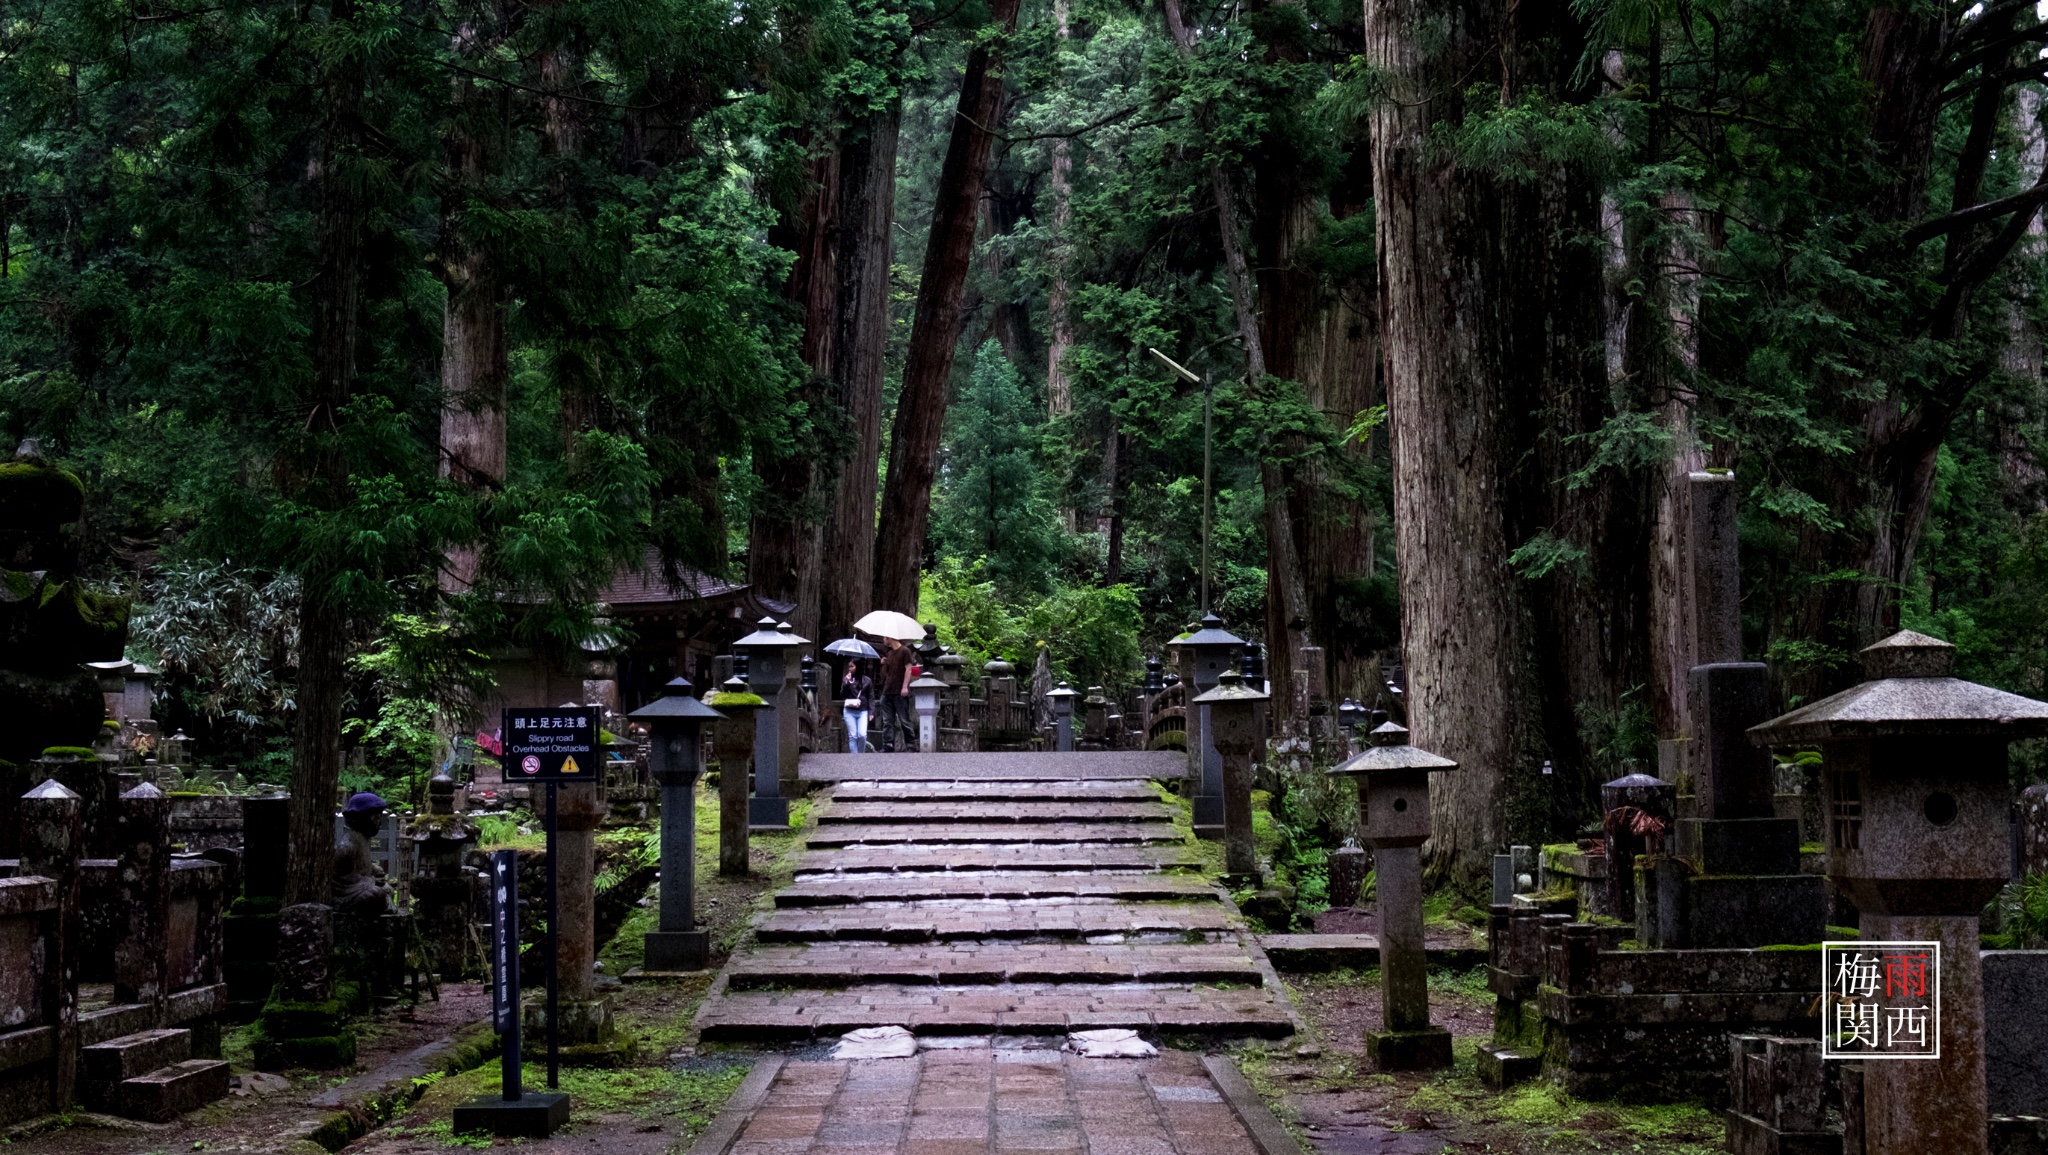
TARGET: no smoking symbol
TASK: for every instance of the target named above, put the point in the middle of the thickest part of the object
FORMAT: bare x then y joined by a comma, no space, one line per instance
530,764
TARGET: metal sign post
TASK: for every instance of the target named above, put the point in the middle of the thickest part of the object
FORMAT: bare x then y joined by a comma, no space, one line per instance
552,746
505,964
554,953
512,1111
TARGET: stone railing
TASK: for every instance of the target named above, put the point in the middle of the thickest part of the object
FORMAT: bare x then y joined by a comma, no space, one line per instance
1166,719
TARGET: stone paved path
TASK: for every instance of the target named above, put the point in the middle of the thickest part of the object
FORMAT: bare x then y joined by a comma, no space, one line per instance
971,1102
986,894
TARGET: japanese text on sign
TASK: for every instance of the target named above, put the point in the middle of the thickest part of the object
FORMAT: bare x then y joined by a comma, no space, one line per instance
558,744
505,940
1881,1000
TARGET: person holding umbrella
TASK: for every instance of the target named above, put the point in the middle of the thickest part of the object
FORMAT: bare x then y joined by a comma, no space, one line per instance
856,692
899,666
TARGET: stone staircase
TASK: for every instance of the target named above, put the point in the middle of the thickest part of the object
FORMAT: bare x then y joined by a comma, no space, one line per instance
149,1075
996,894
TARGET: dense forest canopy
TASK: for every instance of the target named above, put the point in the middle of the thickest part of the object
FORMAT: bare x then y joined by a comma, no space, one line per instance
365,322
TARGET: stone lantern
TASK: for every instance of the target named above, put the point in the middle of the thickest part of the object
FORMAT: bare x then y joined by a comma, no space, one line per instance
1203,657
1914,762
772,675
1061,697
1155,675
1233,710
1393,812
924,699
674,740
732,739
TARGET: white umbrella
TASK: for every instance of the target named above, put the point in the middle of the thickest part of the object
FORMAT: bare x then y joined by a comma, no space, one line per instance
890,624
852,648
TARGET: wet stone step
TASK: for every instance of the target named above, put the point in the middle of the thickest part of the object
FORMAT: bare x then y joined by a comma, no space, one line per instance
828,837
988,964
1022,1009
994,765
934,811
952,920
1133,887
1064,857
994,792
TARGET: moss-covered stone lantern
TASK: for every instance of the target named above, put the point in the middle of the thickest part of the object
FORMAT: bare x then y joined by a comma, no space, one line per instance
1233,712
1914,763
732,739
1393,812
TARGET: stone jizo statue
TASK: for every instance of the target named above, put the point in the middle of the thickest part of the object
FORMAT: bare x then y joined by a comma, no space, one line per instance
358,887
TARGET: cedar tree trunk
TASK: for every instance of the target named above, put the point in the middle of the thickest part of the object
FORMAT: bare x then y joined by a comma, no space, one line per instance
935,333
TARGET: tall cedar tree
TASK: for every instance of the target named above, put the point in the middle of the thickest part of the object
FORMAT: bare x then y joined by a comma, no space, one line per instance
935,333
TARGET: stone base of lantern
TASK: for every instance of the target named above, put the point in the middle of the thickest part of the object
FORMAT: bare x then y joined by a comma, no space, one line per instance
534,1115
588,1036
677,950
768,815
1425,1050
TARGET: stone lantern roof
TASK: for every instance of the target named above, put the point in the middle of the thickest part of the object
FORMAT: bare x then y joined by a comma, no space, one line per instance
676,704
1212,633
1911,693
769,633
1389,752
1230,687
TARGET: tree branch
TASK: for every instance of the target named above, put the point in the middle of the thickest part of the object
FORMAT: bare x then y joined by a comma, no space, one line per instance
1975,215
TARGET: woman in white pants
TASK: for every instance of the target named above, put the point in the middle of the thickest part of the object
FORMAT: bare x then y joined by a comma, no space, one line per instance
856,694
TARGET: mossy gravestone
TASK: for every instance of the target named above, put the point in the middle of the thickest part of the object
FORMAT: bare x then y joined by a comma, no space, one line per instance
49,621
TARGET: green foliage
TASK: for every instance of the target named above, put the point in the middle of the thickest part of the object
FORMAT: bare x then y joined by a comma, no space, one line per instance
221,635
421,674
990,503
1091,633
2018,917
1545,554
1620,739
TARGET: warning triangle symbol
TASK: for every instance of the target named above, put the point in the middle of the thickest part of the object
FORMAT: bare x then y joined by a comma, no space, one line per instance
569,765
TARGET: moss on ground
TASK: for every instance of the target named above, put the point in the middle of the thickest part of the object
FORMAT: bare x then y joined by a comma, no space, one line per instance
683,1102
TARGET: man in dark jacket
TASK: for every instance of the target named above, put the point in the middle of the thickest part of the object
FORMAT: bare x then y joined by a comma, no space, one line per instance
895,689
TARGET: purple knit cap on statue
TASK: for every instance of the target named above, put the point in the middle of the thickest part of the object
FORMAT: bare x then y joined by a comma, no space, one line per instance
357,803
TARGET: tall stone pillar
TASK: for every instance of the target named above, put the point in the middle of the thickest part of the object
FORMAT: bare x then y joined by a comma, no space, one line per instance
145,878
587,1036
51,838
1716,569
